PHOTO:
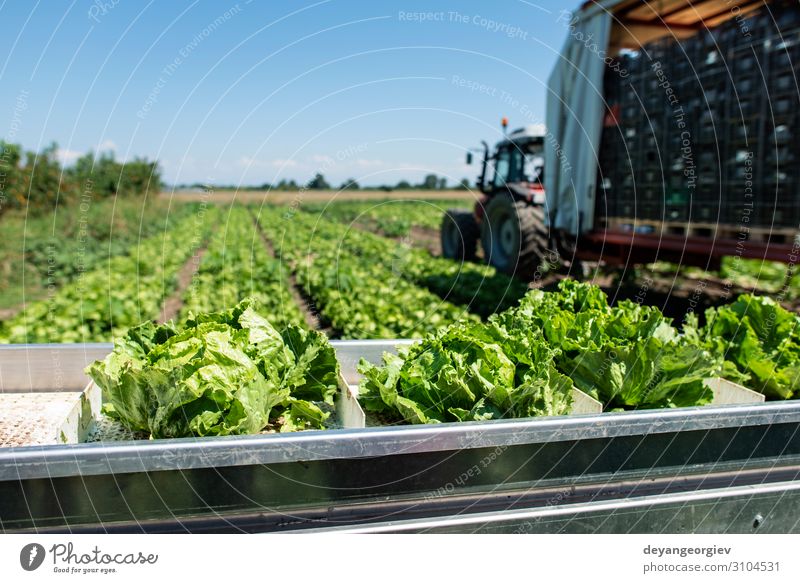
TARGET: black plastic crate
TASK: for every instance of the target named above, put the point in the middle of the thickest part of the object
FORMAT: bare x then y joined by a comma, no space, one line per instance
752,137
612,135
650,193
740,163
710,126
746,106
647,159
675,180
631,194
649,145
654,105
747,84
634,62
680,68
696,100
654,120
605,203
782,155
660,49
631,113
611,144
786,217
686,89
708,211
702,41
714,90
738,201
640,210
746,61
609,168
710,175
627,182
675,140
783,104
777,17
631,139
772,173
648,174
784,82
709,158
606,208
688,47
783,55
679,195
786,15
641,85
678,160
611,172
675,213
611,181
625,208
782,129
778,206
746,131
732,35
710,61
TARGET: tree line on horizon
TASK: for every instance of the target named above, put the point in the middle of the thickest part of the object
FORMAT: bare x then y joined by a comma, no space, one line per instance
38,181
319,182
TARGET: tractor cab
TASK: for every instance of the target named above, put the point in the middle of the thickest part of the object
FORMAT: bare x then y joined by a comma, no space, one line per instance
509,220
516,166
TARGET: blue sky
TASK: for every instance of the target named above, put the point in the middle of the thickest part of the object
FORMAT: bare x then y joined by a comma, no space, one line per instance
252,92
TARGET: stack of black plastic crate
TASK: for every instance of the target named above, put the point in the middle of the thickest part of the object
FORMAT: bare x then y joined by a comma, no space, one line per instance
707,129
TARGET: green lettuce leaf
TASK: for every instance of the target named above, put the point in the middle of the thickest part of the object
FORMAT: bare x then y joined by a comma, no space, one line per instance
468,372
760,342
220,373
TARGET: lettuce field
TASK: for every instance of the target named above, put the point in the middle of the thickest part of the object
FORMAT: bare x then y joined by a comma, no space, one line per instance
313,267
352,269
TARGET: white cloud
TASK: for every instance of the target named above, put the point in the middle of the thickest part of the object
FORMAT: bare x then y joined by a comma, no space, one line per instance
248,162
279,163
68,156
364,163
321,159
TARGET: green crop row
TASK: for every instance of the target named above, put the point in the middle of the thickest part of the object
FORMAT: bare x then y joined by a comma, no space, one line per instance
48,251
357,293
122,292
393,218
481,288
236,265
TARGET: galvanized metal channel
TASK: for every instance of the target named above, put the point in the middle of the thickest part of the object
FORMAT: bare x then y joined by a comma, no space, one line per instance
372,475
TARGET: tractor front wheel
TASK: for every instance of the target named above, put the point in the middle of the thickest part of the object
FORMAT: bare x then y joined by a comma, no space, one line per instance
513,236
459,234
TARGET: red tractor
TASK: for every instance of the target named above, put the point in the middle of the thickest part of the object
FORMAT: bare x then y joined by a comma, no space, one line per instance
509,218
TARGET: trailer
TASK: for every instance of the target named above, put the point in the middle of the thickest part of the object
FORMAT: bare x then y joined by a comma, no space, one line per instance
671,134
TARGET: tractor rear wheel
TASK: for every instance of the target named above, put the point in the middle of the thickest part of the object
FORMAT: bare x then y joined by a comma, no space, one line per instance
513,236
459,234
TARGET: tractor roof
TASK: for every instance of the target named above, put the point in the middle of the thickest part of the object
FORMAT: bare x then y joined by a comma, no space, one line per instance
524,135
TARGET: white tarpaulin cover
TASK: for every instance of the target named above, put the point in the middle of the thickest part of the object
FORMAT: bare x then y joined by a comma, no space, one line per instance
575,110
